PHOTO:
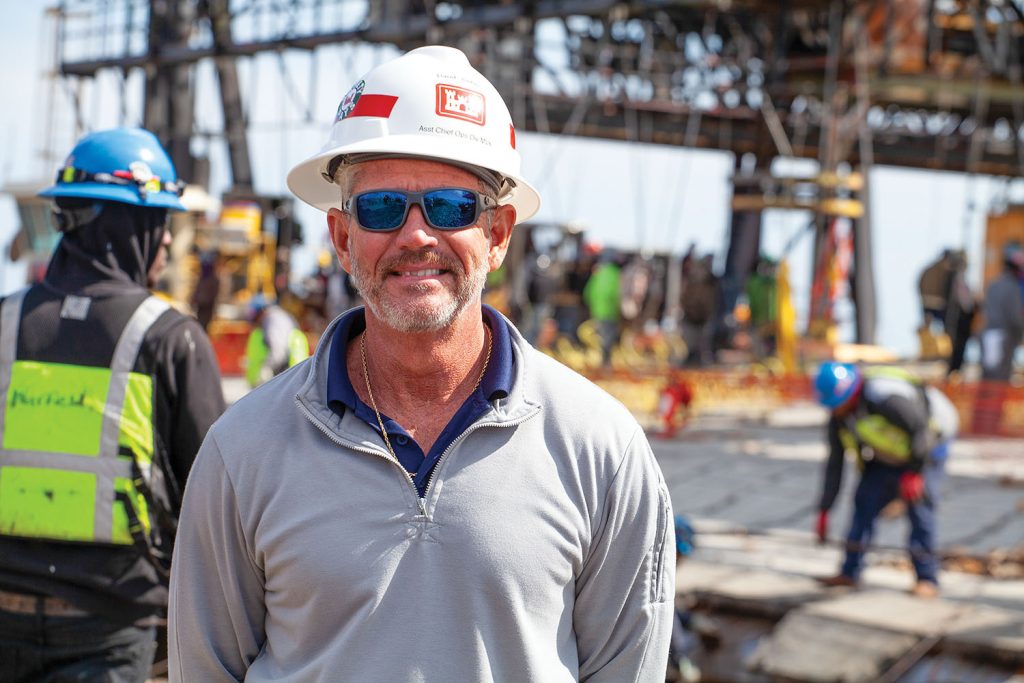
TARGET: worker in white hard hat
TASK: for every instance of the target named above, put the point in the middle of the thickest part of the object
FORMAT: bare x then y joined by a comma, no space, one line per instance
427,497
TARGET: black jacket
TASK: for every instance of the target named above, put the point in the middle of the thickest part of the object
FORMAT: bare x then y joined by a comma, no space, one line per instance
118,583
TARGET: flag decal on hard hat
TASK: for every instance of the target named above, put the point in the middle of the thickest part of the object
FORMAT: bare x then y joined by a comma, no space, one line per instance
512,135
356,103
460,103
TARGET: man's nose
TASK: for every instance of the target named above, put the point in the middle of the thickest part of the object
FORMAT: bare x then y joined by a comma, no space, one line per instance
416,232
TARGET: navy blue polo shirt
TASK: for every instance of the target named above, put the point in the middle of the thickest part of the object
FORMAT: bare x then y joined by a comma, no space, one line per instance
496,383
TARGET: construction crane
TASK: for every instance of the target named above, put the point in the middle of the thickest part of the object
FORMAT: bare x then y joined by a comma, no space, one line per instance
847,83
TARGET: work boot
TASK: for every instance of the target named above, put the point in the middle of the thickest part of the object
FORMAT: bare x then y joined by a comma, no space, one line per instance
839,581
925,589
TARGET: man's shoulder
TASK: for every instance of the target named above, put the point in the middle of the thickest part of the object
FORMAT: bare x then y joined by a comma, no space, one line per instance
173,328
564,392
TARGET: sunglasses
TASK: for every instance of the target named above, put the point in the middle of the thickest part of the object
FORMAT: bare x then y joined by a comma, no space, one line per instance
445,208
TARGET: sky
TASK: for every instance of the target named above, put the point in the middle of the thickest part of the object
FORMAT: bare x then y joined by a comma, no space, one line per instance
634,196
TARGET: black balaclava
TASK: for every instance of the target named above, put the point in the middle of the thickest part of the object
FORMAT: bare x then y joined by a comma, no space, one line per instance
120,243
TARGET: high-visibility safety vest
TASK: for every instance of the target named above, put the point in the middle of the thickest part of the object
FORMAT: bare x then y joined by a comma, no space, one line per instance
76,442
256,353
887,442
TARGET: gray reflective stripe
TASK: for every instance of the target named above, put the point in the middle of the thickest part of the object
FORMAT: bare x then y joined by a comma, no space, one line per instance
10,318
121,365
110,467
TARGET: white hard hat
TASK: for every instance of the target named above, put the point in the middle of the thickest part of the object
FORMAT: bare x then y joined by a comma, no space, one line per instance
428,103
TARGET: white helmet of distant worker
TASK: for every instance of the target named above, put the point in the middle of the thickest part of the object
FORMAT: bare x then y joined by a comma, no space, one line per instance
429,103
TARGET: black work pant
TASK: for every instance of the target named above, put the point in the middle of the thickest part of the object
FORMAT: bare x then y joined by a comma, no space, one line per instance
38,648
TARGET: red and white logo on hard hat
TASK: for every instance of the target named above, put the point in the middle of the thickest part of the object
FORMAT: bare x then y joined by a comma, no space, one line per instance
358,103
348,103
460,103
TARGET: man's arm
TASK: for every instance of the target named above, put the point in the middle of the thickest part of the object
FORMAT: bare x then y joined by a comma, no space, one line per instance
193,378
216,607
626,587
833,479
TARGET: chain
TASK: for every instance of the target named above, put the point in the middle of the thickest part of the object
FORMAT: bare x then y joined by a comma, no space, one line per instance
373,402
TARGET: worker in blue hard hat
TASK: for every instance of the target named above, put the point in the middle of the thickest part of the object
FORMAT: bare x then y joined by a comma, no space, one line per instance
107,394
899,430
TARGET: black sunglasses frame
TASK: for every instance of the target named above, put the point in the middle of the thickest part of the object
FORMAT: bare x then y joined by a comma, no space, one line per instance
483,203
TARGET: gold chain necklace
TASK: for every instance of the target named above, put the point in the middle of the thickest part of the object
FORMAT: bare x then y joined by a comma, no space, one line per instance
369,390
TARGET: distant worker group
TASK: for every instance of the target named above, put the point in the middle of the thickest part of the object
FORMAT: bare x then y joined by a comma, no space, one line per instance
951,310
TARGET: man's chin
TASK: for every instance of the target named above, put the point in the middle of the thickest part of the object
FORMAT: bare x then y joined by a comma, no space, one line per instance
424,316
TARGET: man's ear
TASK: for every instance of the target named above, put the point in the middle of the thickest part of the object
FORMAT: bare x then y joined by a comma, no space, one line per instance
500,234
338,226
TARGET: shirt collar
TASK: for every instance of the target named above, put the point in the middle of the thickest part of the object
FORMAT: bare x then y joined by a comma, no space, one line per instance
496,382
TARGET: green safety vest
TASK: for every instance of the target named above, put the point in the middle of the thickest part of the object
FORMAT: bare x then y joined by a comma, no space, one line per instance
76,442
256,352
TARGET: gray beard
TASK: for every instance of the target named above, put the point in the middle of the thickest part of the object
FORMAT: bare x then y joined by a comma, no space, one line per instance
404,318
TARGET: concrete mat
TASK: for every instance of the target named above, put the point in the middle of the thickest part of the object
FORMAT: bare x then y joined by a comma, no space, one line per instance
814,649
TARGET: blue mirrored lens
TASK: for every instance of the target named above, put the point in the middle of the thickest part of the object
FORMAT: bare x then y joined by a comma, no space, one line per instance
380,210
451,208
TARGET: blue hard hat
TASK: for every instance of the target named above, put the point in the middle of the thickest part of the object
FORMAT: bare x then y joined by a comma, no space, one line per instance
836,383
685,536
257,304
125,165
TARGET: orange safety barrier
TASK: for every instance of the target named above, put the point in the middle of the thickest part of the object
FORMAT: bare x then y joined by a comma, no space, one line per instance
985,408
988,408
229,338
658,400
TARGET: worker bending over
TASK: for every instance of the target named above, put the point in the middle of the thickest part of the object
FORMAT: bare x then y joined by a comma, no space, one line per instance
899,429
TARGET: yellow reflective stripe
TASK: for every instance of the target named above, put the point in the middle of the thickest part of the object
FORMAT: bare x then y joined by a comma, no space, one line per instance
136,428
125,353
255,354
55,407
298,347
884,437
121,364
36,502
36,495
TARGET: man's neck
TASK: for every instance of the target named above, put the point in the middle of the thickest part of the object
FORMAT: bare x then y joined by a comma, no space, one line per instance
426,369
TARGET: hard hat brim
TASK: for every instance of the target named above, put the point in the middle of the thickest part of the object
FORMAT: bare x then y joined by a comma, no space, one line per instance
114,193
306,179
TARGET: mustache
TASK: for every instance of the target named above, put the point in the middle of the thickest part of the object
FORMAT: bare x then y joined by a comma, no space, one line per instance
422,257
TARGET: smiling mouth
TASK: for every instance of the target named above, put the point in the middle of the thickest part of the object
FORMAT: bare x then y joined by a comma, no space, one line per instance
433,272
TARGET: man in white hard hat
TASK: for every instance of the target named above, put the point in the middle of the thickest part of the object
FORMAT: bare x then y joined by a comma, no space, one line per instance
428,498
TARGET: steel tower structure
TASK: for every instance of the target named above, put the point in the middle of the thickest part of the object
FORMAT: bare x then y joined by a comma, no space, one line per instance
850,83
